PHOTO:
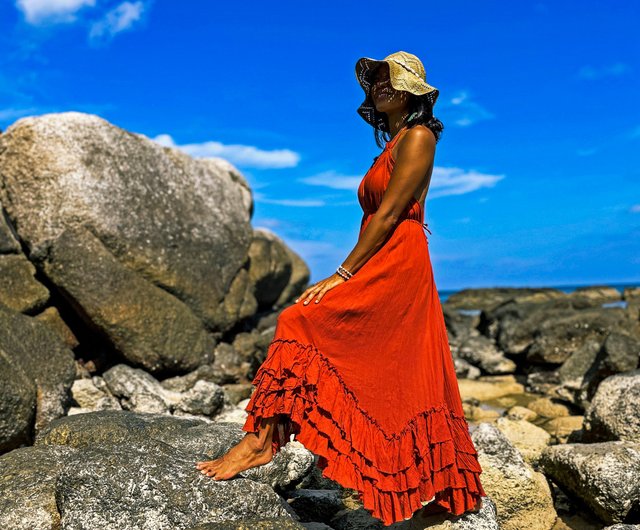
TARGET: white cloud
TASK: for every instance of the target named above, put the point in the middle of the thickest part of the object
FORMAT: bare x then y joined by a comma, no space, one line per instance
13,113
237,154
590,72
120,18
51,11
456,181
333,179
444,181
635,208
465,112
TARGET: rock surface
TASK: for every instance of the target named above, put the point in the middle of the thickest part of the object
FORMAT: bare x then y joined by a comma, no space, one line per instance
522,495
603,475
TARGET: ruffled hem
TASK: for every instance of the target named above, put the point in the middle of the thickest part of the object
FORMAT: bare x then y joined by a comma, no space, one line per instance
432,459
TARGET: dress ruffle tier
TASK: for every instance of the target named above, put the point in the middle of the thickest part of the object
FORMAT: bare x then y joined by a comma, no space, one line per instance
395,474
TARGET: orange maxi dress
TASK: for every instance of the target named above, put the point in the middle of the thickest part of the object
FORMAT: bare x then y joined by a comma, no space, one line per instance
365,378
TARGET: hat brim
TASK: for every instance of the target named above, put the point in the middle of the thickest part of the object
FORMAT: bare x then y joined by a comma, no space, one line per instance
366,67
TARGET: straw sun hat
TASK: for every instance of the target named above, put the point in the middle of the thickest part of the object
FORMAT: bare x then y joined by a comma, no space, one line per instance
406,72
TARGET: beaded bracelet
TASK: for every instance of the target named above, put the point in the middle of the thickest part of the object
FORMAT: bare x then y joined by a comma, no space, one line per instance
344,273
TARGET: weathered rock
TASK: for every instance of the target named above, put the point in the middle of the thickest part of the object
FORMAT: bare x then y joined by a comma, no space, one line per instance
465,370
298,279
8,241
36,374
596,294
316,505
28,485
522,495
89,397
557,338
489,387
602,475
595,360
182,383
521,413
202,440
577,374
491,297
17,404
460,324
19,290
181,222
548,407
476,414
564,429
485,519
528,438
481,351
548,332
230,365
153,485
51,317
614,413
621,351
139,391
270,267
238,392
254,523
150,327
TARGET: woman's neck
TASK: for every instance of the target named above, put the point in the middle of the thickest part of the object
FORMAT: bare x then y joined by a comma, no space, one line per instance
396,123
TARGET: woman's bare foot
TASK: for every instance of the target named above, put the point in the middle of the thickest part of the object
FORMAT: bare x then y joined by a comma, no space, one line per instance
253,450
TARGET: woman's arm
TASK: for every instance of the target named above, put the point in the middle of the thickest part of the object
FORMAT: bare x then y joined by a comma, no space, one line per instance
415,156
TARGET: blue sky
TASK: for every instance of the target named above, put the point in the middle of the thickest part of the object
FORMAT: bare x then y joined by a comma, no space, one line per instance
537,172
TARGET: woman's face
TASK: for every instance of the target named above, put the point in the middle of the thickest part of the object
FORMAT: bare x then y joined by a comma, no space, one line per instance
384,96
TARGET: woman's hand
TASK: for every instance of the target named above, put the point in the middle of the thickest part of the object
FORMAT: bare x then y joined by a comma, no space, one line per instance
320,288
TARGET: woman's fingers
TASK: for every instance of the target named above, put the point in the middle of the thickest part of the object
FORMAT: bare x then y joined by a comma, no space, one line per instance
312,291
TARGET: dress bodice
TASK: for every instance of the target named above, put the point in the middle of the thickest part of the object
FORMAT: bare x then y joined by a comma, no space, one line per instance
375,182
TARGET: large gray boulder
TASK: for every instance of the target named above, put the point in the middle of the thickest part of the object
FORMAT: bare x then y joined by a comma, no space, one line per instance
614,413
181,223
122,486
604,476
152,485
198,438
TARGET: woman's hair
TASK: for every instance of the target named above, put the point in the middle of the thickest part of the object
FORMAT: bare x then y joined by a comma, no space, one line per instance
424,115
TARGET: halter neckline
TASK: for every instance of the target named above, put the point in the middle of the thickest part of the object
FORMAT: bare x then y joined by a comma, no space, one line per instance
397,135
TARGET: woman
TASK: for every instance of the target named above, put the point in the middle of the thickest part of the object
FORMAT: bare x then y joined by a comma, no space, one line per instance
363,377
